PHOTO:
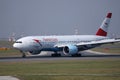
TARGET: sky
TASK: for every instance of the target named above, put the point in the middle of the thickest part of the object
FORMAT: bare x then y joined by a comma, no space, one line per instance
56,17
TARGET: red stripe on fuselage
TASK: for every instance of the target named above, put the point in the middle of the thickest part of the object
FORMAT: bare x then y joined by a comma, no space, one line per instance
37,41
101,32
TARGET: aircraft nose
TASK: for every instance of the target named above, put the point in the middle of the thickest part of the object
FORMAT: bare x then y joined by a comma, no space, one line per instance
17,45
14,45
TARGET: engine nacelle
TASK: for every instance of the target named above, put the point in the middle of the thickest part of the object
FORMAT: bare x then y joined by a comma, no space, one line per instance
70,50
34,52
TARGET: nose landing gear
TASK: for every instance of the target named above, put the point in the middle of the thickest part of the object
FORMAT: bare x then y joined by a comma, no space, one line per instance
23,54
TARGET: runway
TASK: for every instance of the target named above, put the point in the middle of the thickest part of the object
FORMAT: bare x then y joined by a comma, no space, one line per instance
89,55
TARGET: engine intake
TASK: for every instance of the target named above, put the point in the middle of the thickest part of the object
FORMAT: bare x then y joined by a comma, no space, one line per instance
70,49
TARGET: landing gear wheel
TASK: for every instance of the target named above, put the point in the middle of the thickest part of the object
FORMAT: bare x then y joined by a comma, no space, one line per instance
76,55
24,56
56,55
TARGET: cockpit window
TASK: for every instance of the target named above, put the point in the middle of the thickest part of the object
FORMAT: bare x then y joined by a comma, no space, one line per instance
18,42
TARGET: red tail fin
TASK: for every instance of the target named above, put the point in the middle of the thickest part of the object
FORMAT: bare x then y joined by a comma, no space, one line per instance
102,31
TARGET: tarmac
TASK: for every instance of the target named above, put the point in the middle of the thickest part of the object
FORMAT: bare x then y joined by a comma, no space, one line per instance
8,78
45,56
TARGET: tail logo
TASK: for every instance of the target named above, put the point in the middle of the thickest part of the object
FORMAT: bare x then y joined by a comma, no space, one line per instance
102,31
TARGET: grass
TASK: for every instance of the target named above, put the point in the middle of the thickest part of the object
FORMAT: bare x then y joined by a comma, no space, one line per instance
10,53
6,44
63,70
108,48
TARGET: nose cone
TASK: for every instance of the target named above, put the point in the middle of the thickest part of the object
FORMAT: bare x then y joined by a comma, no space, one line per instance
17,46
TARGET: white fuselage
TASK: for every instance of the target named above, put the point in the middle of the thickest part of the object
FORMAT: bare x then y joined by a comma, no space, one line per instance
49,43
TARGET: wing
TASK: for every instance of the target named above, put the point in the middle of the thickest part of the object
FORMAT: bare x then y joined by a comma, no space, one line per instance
99,42
81,44
62,45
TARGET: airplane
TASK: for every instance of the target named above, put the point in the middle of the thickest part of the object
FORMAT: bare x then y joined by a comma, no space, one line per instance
67,44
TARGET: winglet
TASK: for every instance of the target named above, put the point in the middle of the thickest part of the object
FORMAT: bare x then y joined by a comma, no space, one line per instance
102,31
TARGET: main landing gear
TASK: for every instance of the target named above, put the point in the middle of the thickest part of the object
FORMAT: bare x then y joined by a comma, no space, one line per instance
76,55
56,55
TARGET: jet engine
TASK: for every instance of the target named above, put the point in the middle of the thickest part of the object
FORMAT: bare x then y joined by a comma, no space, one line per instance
70,50
34,52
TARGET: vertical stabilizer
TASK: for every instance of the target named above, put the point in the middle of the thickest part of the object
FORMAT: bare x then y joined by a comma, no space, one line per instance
102,31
